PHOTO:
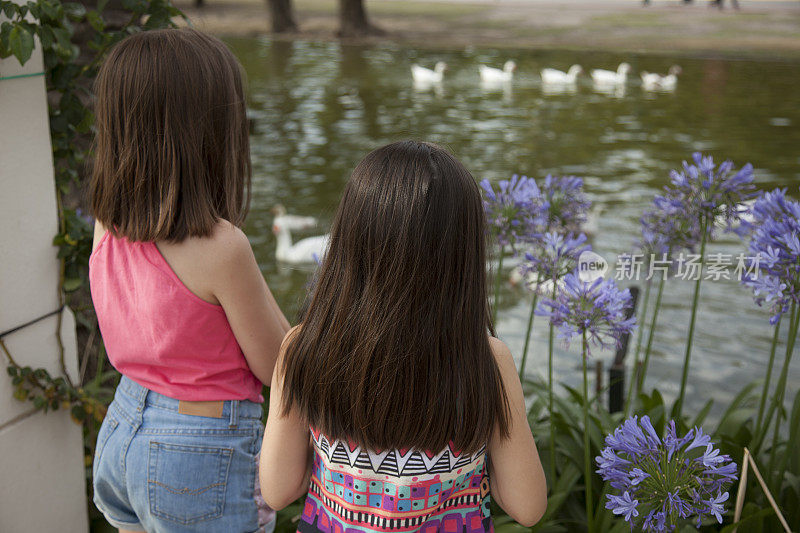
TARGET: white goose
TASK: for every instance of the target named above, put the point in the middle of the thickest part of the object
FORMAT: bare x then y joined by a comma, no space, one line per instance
292,222
610,77
551,76
495,75
422,75
307,250
655,82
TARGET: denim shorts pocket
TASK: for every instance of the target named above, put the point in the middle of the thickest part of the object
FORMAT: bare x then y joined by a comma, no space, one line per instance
186,484
106,430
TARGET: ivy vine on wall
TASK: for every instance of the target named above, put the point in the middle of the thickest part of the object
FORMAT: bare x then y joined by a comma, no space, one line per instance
74,39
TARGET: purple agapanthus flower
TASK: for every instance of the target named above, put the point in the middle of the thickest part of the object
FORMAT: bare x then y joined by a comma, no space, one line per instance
773,228
512,209
623,505
551,257
661,482
711,193
595,308
564,204
667,231
699,196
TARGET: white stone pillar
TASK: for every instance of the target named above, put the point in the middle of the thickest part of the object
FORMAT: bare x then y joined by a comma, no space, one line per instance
42,480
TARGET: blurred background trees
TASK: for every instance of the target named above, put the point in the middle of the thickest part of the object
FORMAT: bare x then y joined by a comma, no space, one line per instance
353,19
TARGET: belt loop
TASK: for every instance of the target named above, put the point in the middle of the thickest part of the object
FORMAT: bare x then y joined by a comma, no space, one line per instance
141,398
234,422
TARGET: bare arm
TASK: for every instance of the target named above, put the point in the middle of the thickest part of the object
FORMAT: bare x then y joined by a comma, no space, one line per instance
255,318
517,479
285,466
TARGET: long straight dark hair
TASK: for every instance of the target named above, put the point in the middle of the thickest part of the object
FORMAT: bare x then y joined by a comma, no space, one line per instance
393,351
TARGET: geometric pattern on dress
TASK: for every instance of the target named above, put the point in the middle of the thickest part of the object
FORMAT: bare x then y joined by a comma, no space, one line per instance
393,462
356,491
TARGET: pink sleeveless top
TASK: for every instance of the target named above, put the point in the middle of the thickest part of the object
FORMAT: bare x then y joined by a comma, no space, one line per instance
160,334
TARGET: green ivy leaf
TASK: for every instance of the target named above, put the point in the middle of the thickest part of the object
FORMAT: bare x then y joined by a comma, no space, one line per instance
96,20
46,37
21,394
21,44
74,10
9,9
50,10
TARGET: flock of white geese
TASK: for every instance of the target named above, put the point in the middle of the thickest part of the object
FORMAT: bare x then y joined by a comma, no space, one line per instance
311,249
555,80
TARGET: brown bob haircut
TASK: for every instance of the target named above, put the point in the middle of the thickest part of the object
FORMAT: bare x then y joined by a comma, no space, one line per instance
172,153
393,351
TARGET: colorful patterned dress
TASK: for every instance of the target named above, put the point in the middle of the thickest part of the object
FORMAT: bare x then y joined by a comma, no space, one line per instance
354,490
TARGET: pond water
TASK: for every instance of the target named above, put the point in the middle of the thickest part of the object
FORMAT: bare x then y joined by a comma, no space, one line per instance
319,107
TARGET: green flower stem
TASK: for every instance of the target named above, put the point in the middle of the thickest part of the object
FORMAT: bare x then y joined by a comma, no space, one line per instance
528,333
497,285
695,299
768,419
587,465
550,398
780,391
634,377
650,335
763,403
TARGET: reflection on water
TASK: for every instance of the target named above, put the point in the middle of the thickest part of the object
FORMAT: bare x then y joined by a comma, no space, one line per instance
319,107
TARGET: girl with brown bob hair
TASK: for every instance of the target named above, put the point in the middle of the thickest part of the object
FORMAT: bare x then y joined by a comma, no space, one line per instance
415,413
184,311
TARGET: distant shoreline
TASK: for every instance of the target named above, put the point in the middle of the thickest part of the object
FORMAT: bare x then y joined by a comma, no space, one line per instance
762,29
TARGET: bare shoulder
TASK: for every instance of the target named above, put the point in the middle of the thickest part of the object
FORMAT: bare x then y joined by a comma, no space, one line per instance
226,236
503,356
227,246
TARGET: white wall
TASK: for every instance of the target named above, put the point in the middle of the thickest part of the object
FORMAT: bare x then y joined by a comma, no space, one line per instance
42,482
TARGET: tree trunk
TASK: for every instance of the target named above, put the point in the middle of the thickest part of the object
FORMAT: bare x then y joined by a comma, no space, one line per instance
353,21
282,16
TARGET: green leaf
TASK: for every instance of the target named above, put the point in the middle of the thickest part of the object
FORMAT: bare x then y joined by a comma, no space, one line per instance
701,416
750,521
21,44
50,10
9,9
74,10
46,37
96,20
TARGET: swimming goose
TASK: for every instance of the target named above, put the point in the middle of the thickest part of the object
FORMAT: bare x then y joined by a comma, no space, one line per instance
609,77
426,75
495,75
551,76
307,250
654,82
292,222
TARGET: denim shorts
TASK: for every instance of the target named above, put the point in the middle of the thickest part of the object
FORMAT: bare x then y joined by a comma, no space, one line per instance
158,470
